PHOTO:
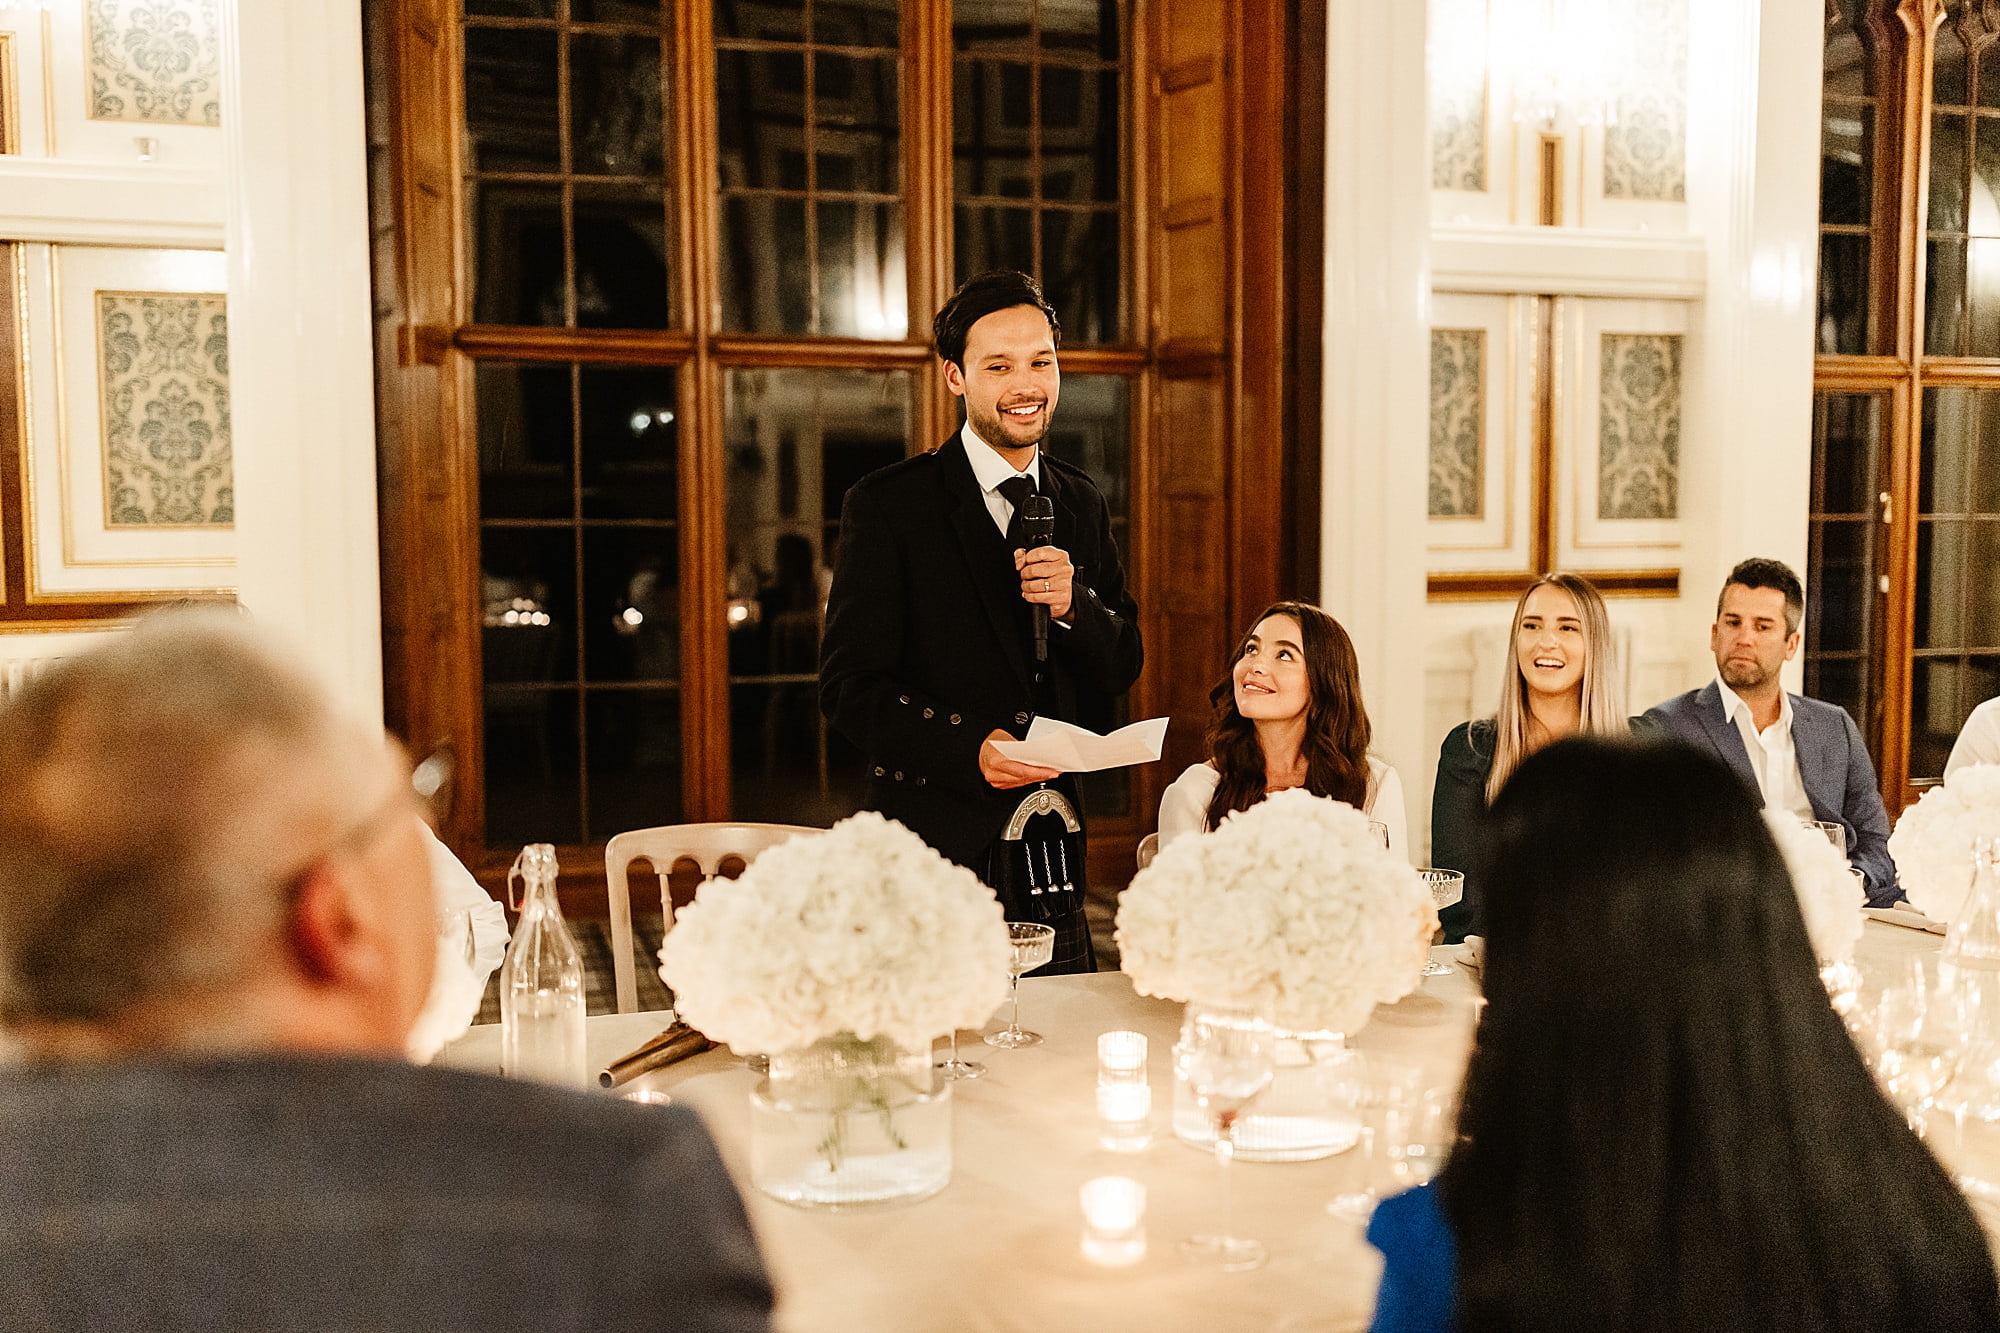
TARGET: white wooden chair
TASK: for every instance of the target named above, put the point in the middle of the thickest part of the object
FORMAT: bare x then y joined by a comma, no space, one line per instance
707,845
1149,847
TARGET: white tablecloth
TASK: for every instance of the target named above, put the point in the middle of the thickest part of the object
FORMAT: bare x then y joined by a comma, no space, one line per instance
998,1249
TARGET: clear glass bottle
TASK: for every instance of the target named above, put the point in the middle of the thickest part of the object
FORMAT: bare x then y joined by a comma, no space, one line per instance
541,983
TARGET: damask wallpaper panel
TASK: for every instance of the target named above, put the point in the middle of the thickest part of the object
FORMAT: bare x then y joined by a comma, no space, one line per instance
1645,134
1638,425
127,82
1458,422
1457,70
163,363
155,61
1635,163
128,483
1482,405
1619,446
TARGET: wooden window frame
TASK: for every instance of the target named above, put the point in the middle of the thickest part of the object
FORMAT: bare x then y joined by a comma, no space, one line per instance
427,347
1901,181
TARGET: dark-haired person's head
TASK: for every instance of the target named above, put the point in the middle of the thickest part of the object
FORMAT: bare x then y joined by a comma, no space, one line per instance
1295,665
1664,1124
1757,617
997,339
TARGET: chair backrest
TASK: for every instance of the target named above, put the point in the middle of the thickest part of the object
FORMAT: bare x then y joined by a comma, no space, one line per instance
707,845
1149,847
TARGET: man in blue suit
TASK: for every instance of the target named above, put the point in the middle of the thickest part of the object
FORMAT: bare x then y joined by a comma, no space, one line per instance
1797,755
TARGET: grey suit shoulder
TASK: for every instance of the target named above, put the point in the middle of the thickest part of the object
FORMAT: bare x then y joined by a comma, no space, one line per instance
310,1194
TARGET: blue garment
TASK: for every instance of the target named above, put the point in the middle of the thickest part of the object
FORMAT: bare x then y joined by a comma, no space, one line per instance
1419,1291
1833,761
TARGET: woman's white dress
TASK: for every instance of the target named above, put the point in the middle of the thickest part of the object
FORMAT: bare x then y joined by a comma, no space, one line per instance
1184,805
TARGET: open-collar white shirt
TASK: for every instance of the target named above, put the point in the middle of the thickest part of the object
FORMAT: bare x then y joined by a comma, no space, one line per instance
989,469
1773,758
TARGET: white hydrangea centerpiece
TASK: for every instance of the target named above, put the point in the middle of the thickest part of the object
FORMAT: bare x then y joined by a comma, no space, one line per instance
863,929
1830,897
1932,844
1292,906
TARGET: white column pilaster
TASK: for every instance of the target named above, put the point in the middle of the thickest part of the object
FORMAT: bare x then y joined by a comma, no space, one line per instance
301,373
1376,361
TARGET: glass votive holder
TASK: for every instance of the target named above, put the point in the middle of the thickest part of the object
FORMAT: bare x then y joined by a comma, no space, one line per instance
1121,1057
1125,1116
1114,1221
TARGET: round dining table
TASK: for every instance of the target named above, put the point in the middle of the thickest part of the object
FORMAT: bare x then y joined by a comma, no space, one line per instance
999,1248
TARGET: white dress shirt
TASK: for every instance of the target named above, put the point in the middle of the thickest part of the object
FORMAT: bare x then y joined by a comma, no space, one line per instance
1772,757
1184,804
1979,742
989,469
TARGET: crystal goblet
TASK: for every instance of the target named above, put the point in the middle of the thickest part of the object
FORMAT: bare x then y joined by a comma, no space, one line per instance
1447,887
1034,945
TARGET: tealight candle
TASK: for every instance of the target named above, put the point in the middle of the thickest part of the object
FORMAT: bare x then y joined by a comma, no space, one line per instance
1122,1054
1114,1221
1124,1113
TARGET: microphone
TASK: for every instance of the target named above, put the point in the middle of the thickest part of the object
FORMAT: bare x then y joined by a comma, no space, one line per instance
1038,528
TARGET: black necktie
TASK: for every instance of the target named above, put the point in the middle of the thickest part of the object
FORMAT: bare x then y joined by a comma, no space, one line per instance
1016,490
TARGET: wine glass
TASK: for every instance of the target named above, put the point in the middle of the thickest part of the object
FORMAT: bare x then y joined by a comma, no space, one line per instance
1831,830
1227,1058
455,935
1447,887
1033,945
954,1068
1380,832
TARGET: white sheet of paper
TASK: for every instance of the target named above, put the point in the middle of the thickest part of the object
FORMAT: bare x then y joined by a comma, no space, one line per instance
1071,749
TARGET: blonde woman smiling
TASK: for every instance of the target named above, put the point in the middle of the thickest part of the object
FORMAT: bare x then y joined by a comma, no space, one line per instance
1561,680
1288,714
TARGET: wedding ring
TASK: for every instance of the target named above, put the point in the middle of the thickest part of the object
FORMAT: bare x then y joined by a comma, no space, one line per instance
1045,585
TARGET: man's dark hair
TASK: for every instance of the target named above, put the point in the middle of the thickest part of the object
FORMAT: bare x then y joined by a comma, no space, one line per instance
1759,572
999,289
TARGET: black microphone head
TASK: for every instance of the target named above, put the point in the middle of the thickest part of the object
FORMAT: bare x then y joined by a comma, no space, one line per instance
1038,520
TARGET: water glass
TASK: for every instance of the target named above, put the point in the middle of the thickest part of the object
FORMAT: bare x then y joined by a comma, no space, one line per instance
1919,1041
1373,1087
1418,1133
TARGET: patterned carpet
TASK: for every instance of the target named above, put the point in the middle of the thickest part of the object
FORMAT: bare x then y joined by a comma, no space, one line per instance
600,988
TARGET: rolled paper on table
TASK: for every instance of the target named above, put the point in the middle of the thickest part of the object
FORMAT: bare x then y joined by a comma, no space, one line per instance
677,1043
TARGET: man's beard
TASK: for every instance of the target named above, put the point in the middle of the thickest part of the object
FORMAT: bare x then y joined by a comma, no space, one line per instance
993,428
1741,676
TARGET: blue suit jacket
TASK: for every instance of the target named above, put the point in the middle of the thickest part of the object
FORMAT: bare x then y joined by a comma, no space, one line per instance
1833,763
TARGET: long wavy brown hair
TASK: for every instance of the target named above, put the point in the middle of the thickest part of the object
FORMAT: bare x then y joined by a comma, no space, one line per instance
1337,732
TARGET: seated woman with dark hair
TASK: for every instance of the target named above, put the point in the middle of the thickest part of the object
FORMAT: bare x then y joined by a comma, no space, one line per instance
1664,1124
1287,714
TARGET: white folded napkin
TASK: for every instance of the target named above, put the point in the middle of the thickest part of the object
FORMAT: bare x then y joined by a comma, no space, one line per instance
1906,916
1471,954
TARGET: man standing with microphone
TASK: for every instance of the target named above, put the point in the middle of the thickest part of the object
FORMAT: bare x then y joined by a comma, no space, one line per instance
978,586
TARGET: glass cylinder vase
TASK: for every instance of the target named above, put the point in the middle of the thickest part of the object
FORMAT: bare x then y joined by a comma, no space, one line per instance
848,1123
1299,1118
